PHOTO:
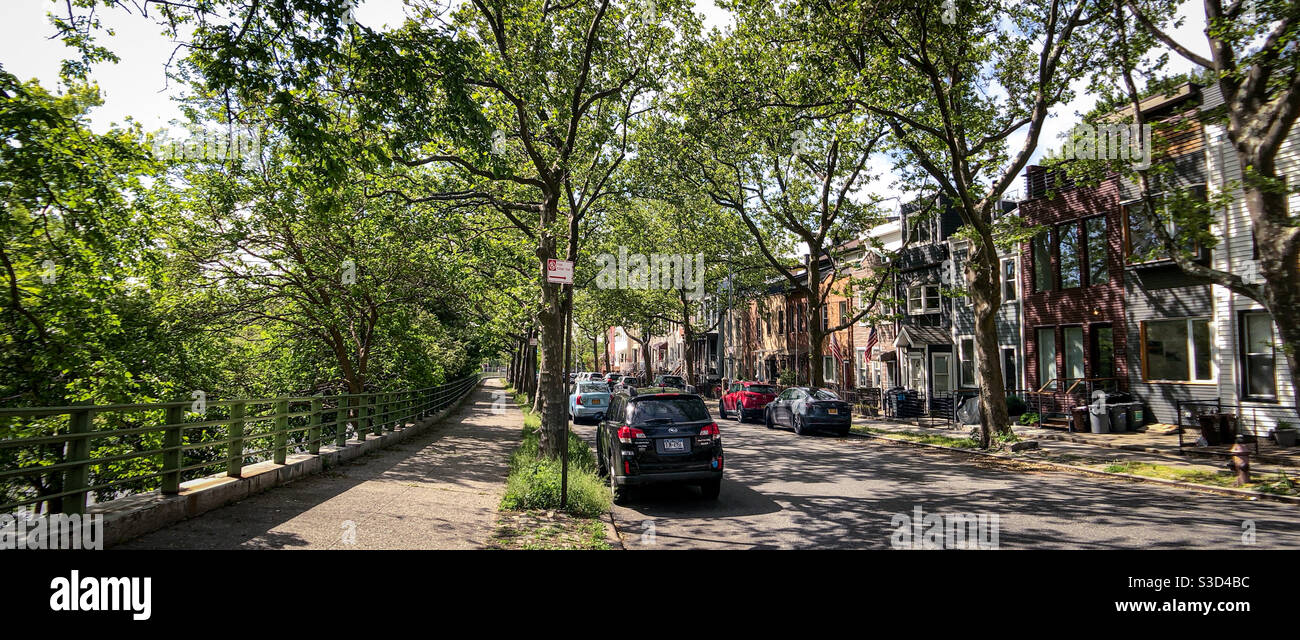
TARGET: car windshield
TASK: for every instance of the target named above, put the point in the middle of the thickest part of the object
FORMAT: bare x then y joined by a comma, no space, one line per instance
678,409
593,388
824,394
615,376
761,388
672,380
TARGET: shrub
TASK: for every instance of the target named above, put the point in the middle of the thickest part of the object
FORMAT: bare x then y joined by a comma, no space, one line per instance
1028,419
1015,406
534,481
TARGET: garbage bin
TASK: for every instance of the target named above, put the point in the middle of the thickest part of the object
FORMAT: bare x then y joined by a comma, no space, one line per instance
1136,416
1209,424
1099,412
1118,414
1081,419
1227,427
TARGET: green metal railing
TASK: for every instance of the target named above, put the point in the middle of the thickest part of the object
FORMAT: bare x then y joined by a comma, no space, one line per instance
62,455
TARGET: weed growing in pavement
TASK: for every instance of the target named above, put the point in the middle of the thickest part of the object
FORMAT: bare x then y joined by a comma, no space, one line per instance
534,480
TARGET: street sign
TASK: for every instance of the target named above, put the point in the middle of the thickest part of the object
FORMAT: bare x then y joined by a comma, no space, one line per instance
559,271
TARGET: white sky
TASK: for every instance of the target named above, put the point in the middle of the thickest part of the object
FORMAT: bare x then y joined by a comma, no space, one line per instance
137,87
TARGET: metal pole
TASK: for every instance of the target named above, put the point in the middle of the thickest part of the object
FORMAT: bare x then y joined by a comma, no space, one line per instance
568,346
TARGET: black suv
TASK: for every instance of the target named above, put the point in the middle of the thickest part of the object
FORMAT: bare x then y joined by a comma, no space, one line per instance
659,438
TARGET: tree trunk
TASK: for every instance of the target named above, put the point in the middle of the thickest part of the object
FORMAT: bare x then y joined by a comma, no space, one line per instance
986,298
550,397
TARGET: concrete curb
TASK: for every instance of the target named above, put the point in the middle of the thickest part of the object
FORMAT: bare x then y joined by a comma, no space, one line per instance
1236,493
133,516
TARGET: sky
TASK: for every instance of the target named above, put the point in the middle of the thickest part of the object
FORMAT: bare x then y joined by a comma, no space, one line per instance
138,87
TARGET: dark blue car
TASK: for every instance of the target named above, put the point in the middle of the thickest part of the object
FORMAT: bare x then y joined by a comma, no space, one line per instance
807,409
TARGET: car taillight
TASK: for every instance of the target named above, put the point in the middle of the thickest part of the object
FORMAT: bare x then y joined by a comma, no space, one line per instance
626,434
579,400
711,430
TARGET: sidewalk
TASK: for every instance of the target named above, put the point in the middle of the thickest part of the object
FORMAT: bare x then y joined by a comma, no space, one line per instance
437,490
1145,447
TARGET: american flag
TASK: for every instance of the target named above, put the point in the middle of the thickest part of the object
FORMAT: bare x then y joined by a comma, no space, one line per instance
871,342
835,348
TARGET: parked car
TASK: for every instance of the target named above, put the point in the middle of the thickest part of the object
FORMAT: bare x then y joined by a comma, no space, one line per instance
806,409
589,402
659,438
612,379
747,399
626,384
674,382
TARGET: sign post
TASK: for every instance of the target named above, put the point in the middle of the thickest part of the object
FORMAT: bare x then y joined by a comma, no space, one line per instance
561,272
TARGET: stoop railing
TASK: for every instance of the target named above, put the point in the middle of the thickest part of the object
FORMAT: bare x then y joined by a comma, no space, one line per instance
66,457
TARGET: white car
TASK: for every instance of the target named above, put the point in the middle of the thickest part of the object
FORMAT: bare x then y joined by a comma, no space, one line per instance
589,401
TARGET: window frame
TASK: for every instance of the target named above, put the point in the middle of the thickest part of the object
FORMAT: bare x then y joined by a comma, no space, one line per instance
1087,251
924,299
1243,355
1072,227
1191,353
1127,241
962,382
1014,280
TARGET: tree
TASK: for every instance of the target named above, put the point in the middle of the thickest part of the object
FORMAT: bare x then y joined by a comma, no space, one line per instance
953,87
753,130
1254,60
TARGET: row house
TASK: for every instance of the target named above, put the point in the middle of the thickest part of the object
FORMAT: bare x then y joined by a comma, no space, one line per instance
923,347
1250,370
1105,308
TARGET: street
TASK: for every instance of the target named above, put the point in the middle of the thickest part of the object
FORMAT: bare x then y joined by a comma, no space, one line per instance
782,491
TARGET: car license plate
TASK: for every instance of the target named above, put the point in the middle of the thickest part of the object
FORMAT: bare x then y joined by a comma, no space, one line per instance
833,411
674,445
595,401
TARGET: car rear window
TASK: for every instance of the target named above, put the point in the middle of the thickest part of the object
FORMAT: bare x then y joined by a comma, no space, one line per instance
593,388
761,388
824,394
672,380
676,409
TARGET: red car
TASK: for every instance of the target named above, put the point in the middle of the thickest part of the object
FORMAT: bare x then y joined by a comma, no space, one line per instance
746,399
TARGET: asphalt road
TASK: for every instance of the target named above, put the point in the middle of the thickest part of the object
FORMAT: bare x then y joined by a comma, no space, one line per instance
785,491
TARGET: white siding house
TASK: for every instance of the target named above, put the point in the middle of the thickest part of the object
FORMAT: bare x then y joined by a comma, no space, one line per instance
1245,340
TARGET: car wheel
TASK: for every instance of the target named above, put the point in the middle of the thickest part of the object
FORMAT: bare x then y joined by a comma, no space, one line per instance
767,419
711,489
798,425
601,468
722,410
844,433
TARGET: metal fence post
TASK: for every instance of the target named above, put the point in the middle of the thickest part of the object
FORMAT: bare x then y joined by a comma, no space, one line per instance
342,411
281,424
78,450
313,433
171,480
369,419
235,450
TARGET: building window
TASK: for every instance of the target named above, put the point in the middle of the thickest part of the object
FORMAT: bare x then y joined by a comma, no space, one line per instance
1010,373
1047,358
1103,351
1094,230
1258,354
942,363
921,230
967,356
1177,350
1008,279
923,299
1067,247
1073,359
864,380
844,311
828,368
1140,241
826,318
1042,262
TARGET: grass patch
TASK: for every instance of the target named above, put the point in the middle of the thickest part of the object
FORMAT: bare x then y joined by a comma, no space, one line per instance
534,480
924,438
537,530
1278,483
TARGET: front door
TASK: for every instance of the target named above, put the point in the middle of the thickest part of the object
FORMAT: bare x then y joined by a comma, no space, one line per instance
916,372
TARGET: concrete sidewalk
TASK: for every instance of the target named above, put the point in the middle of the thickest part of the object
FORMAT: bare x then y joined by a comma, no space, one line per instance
437,490
1125,447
